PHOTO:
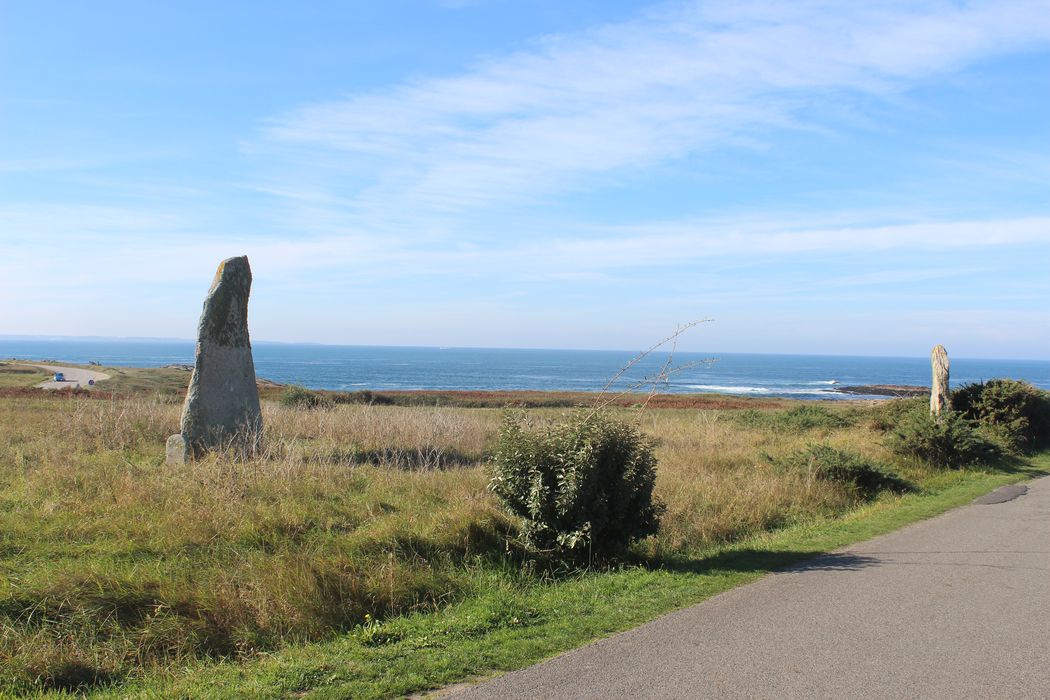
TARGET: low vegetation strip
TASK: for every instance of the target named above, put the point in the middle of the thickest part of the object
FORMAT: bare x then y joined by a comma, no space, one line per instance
511,625
516,399
17,375
361,553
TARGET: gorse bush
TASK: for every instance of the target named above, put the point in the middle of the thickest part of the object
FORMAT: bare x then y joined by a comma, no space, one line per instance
296,396
863,477
947,440
583,488
887,415
1014,414
984,419
805,417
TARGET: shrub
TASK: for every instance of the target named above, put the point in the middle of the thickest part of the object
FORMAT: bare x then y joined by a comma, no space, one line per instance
864,478
1014,414
948,440
583,487
296,396
364,396
805,417
887,415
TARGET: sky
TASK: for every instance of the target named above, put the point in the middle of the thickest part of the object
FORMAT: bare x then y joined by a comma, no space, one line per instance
816,177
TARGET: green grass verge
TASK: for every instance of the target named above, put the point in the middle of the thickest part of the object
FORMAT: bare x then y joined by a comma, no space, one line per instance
14,374
170,381
512,623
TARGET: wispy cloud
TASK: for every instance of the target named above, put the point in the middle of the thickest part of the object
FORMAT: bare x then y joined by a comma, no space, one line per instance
113,237
439,201
579,108
674,243
618,288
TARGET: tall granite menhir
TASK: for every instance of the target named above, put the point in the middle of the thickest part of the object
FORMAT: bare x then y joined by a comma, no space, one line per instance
222,403
939,395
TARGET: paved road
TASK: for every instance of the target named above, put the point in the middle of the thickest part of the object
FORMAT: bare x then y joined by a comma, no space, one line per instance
953,607
75,376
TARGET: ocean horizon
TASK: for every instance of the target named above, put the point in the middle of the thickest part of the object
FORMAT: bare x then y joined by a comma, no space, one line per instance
406,368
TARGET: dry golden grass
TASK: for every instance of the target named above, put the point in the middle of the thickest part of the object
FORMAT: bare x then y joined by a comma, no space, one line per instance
112,561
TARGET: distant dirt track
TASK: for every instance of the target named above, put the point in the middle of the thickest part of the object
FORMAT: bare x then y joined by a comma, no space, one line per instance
75,377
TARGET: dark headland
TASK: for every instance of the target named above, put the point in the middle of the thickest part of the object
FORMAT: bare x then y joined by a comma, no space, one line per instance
896,390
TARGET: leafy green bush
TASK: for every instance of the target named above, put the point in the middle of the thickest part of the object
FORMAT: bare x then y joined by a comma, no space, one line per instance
582,487
296,396
1014,414
887,415
948,440
863,477
804,417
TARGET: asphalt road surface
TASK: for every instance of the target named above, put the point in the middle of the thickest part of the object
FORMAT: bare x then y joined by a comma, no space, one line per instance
953,607
75,376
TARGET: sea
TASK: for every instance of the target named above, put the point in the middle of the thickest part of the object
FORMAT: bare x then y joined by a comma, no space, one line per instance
353,367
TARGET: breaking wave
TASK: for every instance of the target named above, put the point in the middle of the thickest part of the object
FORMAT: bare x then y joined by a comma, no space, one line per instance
721,389
730,389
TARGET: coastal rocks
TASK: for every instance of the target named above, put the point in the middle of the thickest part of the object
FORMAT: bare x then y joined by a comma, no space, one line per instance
222,403
895,390
939,390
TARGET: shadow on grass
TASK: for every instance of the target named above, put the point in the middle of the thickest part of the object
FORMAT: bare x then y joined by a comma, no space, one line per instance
767,561
75,677
424,458
1009,464
764,561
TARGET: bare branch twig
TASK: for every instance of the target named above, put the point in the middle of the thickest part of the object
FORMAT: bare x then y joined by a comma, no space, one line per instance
603,399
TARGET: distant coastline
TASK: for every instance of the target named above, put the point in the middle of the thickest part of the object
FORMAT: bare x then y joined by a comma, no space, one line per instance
147,340
359,368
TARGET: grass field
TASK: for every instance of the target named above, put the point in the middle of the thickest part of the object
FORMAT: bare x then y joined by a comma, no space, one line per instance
360,553
16,375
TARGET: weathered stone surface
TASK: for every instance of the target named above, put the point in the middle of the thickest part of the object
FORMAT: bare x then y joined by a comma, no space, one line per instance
177,449
939,388
222,403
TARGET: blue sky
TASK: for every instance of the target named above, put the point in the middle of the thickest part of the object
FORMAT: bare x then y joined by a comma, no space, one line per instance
818,177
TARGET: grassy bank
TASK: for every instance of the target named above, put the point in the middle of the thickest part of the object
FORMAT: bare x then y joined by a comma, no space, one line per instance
17,375
514,623
360,553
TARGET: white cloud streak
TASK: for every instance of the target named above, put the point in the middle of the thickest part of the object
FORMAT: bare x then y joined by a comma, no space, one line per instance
383,189
582,107
111,239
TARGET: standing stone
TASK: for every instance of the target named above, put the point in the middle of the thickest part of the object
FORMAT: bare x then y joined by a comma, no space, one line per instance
177,449
939,389
222,403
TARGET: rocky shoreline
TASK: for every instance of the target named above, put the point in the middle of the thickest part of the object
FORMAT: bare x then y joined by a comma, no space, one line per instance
897,390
